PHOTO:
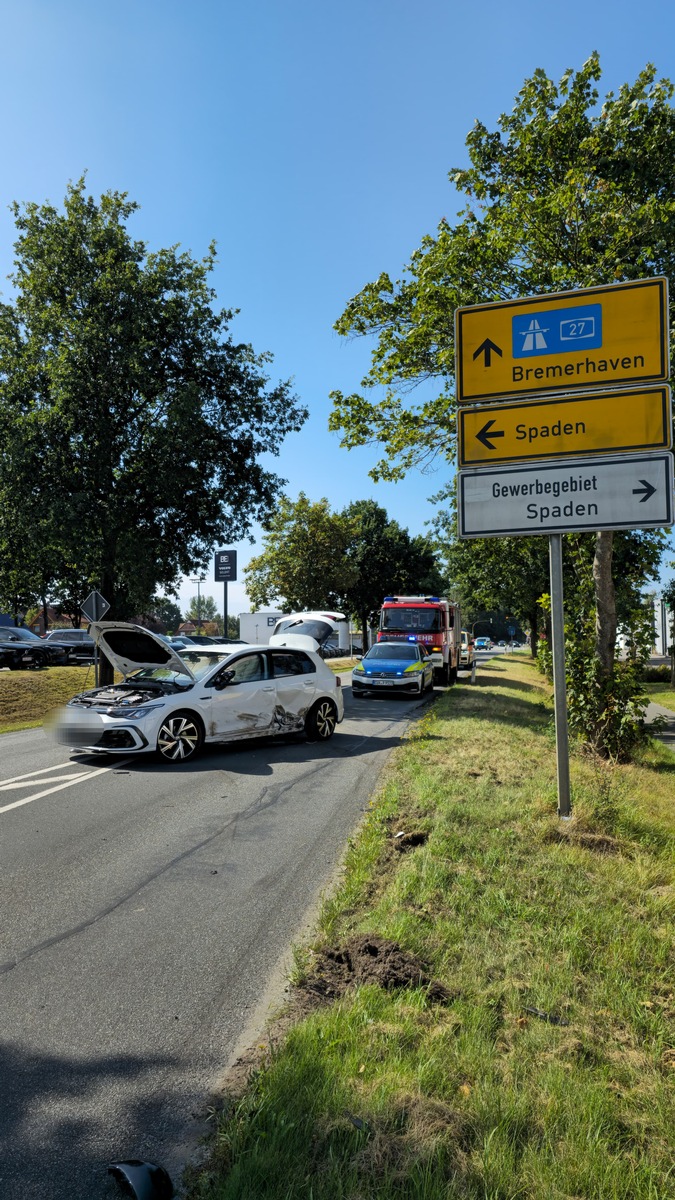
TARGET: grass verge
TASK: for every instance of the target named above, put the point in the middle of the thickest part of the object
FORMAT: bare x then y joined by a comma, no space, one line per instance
661,694
532,1053
28,697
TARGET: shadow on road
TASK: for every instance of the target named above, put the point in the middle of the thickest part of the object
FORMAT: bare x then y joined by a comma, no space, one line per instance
55,1140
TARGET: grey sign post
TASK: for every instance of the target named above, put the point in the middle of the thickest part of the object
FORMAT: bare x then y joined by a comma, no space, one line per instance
94,608
225,570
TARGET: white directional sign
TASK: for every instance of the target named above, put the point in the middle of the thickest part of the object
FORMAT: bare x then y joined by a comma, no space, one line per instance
613,492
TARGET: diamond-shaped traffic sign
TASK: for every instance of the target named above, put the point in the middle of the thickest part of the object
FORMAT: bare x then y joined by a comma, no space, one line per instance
95,606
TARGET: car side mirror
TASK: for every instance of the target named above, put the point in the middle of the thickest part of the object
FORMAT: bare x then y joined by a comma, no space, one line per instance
223,680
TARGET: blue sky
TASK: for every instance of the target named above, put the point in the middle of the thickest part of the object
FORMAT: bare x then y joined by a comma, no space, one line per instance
312,141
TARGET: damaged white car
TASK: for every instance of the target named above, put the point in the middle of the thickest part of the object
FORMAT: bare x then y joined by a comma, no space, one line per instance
172,704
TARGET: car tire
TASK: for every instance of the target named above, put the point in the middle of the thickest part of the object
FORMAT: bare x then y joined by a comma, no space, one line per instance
180,737
321,721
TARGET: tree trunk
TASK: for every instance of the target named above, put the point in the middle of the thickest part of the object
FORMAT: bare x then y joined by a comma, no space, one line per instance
534,633
605,602
364,632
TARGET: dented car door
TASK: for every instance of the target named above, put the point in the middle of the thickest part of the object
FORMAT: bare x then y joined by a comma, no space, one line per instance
247,702
294,676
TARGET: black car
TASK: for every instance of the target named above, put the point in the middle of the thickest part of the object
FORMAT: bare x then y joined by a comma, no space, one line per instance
76,644
20,648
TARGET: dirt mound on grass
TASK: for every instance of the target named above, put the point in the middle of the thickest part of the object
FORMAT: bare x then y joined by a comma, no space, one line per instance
369,959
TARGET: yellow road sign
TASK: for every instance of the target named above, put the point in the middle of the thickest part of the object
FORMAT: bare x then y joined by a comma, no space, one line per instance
612,422
591,338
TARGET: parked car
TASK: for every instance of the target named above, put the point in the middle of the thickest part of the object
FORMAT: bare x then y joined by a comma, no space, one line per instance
77,644
172,703
466,654
403,666
21,648
198,639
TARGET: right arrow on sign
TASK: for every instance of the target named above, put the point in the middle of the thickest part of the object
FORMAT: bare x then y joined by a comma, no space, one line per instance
646,491
486,433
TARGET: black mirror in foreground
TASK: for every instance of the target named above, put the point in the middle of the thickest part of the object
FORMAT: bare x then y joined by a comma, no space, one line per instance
142,1180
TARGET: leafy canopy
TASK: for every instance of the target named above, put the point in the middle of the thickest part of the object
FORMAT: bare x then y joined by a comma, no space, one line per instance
132,425
313,558
565,193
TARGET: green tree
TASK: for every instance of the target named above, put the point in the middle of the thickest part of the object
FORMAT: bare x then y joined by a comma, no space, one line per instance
564,193
203,608
131,423
303,564
166,612
384,558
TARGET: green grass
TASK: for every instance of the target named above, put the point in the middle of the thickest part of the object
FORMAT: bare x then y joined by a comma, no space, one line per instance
660,693
27,698
385,1094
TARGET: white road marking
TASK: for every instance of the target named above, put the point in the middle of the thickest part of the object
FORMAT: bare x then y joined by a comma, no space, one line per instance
24,783
59,786
42,771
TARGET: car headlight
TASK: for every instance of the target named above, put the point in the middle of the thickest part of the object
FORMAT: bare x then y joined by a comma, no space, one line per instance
358,671
133,713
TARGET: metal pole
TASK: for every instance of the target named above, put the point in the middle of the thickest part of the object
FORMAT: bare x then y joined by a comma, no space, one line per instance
225,608
559,689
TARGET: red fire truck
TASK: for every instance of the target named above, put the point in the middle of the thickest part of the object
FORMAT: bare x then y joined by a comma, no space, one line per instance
432,620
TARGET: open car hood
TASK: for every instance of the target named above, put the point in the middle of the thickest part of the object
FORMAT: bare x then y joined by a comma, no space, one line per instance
131,647
305,630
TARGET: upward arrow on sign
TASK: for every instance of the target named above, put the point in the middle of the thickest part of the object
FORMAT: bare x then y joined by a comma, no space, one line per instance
487,348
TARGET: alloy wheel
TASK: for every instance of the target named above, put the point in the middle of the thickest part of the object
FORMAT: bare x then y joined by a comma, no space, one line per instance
179,738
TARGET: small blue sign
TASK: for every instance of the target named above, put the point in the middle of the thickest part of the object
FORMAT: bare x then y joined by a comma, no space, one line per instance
560,331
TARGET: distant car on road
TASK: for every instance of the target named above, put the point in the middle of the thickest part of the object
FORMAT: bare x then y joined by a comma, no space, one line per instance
171,702
401,666
466,654
482,643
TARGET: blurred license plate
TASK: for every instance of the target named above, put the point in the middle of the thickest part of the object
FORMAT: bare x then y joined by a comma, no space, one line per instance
381,682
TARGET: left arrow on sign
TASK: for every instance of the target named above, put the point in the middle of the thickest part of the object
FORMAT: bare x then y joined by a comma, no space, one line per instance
486,433
487,348
646,491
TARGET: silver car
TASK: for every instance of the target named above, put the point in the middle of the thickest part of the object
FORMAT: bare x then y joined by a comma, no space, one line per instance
172,704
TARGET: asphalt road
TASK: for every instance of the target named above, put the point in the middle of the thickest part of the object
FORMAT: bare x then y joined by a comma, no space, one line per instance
147,916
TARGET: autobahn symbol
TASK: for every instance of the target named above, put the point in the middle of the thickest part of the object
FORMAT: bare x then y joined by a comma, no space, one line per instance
566,341
616,421
567,496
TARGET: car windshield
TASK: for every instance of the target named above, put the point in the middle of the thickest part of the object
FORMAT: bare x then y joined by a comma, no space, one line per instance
393,650
319,630
428,620
24,635
198,662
